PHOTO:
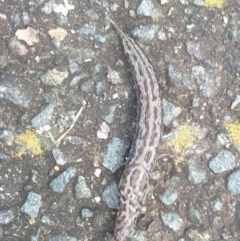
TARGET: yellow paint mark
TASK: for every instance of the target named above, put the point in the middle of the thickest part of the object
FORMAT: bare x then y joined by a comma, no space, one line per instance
214,3
29,142
233,132
184,139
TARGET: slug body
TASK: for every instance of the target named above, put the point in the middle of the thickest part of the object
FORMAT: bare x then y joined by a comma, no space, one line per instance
146,141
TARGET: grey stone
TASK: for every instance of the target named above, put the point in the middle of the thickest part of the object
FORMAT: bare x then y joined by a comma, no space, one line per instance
145,8
224,161
194,214
169,197
44,117
59,183
6,135
95,69
7,216
216,205
101,39
32,204
116,150
139,236
48,7
62,237
197,2
235,102
46,220
76,79
195,174
109,117
88,29
110,195
195,235
172,220
144,34
35,236
233,183
170,112
86,86
81,188
222,139
86,213
193,49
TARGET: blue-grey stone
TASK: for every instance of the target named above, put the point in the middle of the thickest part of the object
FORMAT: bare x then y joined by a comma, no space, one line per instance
6,135
169,197
109,117
178,79
144,34
170,112
86,86
224,161
44,117
4,157
216,205
236,64
139,236
194,214
110,195
222,139
172,220
190,27
233,184
35,235
101,39
81,188
95,69
76,79
32,204
48,7
145,8
46,220
198,2
195,174
100,87
170,136
194,49
86,213
59,183
62,237
62,20
7,216
116,150
88,29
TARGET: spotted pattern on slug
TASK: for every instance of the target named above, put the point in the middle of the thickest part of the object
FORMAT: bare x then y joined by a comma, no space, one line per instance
146,141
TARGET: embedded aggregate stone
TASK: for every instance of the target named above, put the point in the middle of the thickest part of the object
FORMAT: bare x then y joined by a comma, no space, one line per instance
222,139
62,237
86,213
216,205
170,112
224,161
145,8
44,117
144,34
194,214
172,220
139,236
235,102
7,216
35,235
233,183
46,220
168,197
195,174
81,188
193,48
32,204
113,159
59,183
109,117
110,195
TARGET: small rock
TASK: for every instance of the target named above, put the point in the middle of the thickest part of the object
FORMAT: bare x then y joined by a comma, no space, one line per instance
28,35
233,184
116,150
95,69
110,195
73,67
7,216
32,204
81,188
48,7
86,86
46,220
139,236
145,8
109,117
144,34
193,48
59,183
168,197
195,174
35,235
18,47
197,2
164,2
170,112
216,205
4,157
235,102
172,220
222,139
86,213
224,161
195,235
194,214
6,135
76,79
54,77
76,140
103,132
113,77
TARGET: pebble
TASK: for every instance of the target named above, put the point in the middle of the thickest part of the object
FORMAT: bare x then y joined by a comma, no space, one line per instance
101,39
32,204
222,139
76,140
110,195
233,182
109,117
76,79
145,33
113,159
95,69
194,49
81,188
170,112
139,236
235,102
7,216
195,235
216,205
104,130
86,86
195,174
163,2
62,237
6,135
197,2
46,220
86,213
194,214
35,235
172,220
113,77
168,197
224,161
44,117
48,7
53,77
145,8
4,157
60,182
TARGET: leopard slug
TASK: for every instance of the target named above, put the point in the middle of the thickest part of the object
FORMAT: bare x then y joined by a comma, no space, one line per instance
146,141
